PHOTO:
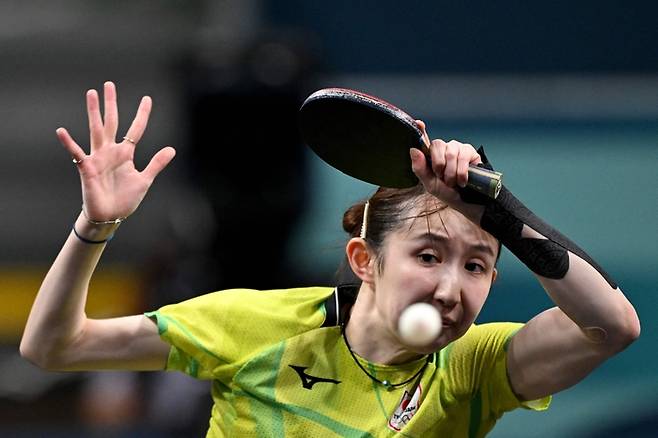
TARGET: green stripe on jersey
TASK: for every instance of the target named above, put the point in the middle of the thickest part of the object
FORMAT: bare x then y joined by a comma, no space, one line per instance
476,415
260,411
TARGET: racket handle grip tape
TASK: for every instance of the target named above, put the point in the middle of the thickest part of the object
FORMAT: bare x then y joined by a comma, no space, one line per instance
485,181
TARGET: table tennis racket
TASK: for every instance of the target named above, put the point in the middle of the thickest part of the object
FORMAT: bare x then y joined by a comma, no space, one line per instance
369,139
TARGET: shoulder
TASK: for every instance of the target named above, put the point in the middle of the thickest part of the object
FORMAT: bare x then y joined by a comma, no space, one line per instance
472,361
479,348
227,326
254,300
246,310
476,367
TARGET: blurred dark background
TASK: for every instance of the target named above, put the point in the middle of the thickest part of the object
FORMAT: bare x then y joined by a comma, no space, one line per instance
563,95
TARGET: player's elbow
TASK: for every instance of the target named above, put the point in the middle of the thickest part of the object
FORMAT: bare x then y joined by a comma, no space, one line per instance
39,354
632,328
618,332
626,329
31,352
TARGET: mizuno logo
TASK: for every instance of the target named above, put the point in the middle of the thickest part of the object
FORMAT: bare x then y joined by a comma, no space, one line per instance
308,381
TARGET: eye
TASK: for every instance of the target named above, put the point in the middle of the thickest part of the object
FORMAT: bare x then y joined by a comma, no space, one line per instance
475,267
428,258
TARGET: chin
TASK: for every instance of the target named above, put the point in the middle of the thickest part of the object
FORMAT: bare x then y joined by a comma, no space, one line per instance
430,348
446,336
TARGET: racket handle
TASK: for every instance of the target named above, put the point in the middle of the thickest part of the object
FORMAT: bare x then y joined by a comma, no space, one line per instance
485,181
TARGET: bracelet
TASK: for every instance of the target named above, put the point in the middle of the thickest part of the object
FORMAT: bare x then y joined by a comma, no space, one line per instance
95,242
111,221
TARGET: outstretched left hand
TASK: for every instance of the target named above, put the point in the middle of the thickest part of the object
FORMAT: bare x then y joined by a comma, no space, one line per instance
111,185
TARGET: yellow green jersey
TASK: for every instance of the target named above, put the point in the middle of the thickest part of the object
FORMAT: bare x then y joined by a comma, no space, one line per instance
280,367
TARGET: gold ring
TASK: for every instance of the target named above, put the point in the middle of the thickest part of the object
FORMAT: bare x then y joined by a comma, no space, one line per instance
130,140
76,161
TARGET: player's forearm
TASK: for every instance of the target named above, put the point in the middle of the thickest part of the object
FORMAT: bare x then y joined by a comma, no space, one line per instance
603,314
57,317
539,246
573,280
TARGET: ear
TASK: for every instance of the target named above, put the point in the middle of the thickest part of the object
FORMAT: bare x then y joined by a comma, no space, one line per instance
494,276
359,259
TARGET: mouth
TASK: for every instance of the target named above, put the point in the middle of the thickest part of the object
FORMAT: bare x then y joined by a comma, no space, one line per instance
447,323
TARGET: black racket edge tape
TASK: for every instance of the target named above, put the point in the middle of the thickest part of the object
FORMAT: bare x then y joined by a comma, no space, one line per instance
482,180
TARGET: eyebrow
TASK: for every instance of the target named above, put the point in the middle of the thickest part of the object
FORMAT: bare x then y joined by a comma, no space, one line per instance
440,238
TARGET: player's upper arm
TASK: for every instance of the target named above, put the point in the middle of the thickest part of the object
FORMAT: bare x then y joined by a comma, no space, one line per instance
125,343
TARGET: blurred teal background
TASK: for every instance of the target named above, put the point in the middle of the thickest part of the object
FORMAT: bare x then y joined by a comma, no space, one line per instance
563,96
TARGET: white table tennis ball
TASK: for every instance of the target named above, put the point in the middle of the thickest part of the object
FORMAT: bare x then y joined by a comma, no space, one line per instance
419,324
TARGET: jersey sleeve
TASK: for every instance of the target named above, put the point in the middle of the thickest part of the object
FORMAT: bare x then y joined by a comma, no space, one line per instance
212,335
479,360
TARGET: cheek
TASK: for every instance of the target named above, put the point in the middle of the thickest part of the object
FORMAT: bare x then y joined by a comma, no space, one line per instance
414,284
398,288
405,277
474,299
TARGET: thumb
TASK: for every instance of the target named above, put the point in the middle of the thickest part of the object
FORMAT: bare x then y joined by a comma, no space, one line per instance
419,164
432,183
159,161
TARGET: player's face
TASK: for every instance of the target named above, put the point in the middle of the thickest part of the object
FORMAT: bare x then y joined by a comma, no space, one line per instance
442,259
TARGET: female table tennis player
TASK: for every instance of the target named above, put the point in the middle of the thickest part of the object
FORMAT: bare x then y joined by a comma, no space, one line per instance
315,362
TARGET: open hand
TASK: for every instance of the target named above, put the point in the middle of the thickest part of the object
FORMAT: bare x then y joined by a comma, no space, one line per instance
111,185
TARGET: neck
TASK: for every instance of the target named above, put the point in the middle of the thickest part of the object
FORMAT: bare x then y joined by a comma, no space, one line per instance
370,338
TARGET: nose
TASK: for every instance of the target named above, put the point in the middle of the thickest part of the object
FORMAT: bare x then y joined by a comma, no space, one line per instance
448,289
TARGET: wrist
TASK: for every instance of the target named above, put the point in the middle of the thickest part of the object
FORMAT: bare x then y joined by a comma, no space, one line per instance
93,232
102,222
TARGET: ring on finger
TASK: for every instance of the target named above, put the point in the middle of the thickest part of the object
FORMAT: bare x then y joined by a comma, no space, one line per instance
77,161
128,139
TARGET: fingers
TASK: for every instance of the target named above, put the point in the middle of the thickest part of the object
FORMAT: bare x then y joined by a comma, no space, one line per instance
424,173
95,120
422,127
451,160
438,155
111,112
450,170
103,129
159,161
141,119
70,145
463,161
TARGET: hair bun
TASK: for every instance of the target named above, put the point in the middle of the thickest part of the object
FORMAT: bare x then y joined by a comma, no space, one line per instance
353,218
